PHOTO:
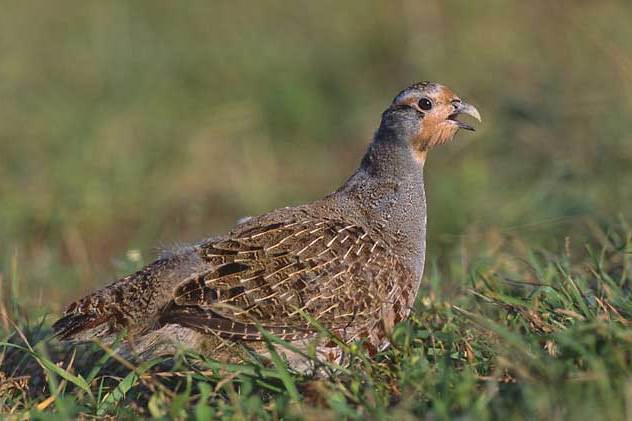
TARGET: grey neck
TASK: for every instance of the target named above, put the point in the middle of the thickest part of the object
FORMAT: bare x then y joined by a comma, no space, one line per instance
390,156
388,189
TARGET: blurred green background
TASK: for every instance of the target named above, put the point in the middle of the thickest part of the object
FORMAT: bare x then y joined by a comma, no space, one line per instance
130,126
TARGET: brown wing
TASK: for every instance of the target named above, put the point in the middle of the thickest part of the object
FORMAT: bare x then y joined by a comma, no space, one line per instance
269,274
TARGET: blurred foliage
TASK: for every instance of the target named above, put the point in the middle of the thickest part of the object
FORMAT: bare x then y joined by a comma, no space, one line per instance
131,125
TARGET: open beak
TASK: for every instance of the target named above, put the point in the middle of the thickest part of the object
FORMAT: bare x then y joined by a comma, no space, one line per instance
464,108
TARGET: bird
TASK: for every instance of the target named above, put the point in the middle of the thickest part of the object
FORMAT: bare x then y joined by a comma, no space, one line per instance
349,264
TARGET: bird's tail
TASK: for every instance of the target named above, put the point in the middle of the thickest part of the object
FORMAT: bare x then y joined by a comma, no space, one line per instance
131,302
89,318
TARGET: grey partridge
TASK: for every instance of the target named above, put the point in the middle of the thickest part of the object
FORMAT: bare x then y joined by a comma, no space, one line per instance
351,261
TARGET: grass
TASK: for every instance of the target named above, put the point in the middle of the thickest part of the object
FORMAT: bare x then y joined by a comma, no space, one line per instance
524,333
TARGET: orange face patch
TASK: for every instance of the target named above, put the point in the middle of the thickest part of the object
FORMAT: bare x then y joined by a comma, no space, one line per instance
435,128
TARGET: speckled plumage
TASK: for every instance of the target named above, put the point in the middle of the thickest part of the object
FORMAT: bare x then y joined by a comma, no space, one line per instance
351,261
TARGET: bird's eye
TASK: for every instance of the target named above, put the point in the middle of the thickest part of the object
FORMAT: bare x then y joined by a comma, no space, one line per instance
425,104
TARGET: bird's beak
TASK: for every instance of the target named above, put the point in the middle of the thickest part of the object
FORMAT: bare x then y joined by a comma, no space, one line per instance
465,108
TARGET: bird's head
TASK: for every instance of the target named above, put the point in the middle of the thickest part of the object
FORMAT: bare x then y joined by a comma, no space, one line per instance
425,114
